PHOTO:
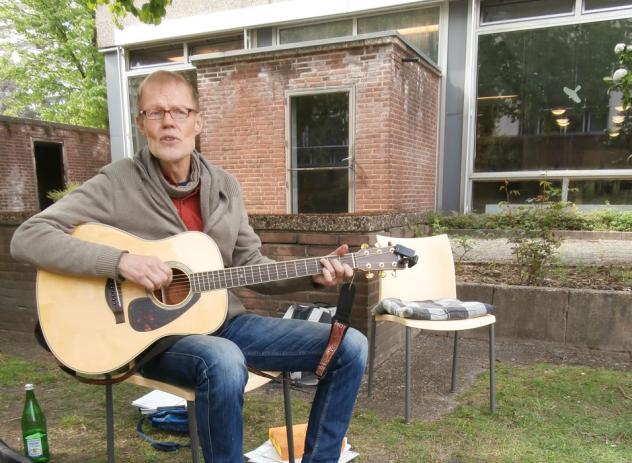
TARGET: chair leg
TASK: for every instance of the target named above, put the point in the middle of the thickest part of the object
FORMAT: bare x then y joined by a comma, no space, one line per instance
193,432
372,355
288,416
492,368
408,377
454,352
109,422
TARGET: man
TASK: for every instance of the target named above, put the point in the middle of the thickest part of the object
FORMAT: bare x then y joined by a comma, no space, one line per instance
169,188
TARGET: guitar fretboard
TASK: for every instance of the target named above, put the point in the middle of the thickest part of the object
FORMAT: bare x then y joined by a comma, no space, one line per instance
263,273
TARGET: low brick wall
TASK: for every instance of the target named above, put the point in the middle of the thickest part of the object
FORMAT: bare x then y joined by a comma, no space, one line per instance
17,283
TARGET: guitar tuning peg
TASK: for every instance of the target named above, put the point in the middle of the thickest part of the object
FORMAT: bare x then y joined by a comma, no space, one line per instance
369,275
394,274
364,246
381,274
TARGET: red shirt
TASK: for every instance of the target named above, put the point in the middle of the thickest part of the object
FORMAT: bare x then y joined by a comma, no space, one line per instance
189,210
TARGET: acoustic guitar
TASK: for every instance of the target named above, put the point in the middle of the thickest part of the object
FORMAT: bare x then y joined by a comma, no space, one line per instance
97,326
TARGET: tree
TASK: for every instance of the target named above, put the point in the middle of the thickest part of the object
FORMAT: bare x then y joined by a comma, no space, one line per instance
52,61
150,12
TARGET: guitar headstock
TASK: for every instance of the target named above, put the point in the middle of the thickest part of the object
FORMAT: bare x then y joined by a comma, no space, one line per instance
380,259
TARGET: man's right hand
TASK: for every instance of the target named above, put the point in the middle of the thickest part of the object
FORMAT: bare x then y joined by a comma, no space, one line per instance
147,271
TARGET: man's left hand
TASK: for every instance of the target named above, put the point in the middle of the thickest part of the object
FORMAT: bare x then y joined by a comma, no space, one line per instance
334,272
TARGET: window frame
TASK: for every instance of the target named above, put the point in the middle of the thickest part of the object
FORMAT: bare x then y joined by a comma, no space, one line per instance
601,10
284,27
556,16
291,188
468,175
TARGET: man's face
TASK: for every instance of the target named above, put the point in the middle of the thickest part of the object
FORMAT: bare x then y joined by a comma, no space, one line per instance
170,140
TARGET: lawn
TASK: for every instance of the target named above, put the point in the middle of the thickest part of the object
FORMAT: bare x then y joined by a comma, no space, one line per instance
546,413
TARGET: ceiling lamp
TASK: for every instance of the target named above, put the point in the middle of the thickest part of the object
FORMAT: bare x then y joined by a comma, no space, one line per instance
613,134
618,119
558,111
562,121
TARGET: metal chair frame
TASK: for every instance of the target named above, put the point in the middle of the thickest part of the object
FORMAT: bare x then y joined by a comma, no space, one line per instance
254,381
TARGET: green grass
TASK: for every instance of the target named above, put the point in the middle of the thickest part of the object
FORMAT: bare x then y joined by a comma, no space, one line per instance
546,413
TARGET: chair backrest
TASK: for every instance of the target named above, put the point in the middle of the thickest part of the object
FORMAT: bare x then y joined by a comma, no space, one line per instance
432,277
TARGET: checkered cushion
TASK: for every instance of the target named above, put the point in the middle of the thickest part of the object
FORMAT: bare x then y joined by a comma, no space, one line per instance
438,309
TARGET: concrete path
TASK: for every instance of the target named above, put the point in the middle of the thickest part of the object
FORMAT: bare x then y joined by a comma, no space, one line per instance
571,252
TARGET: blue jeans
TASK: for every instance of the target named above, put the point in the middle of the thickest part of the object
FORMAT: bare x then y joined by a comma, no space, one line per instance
215,366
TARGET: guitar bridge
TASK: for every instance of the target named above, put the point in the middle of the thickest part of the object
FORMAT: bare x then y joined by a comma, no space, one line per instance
114,299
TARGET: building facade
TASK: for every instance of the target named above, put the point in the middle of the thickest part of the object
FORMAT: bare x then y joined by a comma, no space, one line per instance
520,98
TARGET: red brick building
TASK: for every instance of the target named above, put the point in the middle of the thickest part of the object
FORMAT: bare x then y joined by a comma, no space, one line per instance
393,94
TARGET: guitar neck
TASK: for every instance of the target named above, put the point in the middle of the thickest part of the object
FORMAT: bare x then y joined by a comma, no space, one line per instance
235,277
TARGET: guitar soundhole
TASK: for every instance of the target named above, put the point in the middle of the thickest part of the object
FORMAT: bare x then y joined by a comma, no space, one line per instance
177,291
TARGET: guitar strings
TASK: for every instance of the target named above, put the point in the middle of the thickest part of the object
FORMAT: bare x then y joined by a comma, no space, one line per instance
183,279
181,284
252,270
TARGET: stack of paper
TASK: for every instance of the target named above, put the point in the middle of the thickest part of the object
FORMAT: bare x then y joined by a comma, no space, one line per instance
158,400
267,454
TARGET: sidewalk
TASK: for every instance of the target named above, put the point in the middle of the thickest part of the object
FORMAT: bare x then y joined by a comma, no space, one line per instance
571,252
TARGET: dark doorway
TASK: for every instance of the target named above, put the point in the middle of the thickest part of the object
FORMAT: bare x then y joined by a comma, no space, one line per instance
49,170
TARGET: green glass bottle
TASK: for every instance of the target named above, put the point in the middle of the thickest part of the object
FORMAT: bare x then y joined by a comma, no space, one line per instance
34,428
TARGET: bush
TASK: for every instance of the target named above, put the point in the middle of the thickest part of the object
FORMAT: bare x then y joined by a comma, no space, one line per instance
557,216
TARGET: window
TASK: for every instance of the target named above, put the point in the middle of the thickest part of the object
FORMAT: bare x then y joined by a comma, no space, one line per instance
320,156
487,195
507,10
603,4
585,193
171,54
542,102
316,31
217,44
263,37
138,140
420,27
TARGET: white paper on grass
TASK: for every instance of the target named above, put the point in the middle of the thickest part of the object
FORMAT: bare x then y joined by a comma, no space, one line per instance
266,453
155,399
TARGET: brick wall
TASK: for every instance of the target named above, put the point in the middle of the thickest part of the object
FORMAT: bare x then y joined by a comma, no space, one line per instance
396,108
18,310
85,150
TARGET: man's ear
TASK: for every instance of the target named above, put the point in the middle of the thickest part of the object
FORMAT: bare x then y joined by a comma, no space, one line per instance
199,123
140,123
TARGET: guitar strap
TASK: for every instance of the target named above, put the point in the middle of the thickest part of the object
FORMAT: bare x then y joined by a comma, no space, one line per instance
339,327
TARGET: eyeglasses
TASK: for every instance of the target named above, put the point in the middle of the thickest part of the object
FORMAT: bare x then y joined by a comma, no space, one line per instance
175,113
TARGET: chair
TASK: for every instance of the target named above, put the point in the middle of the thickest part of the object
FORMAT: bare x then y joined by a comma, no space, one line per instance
432,278
254,381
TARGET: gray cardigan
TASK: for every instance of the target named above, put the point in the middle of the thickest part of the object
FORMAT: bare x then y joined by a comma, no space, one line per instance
131,195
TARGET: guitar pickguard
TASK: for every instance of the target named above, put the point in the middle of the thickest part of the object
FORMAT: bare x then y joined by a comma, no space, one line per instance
145,315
